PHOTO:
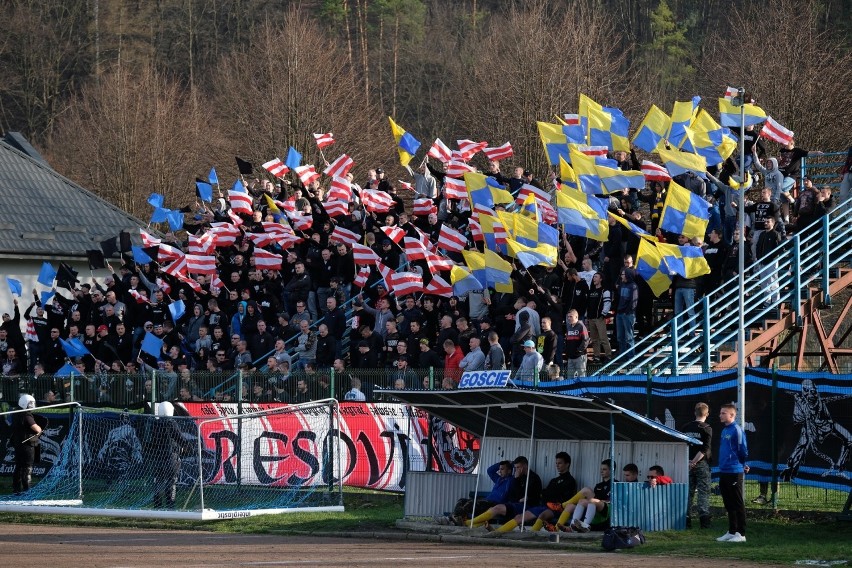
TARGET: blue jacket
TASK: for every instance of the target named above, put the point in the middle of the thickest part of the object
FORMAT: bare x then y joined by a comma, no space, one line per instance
733,450
502,485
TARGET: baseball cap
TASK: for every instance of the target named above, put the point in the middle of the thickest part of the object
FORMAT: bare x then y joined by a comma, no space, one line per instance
102,328
529,343
424,341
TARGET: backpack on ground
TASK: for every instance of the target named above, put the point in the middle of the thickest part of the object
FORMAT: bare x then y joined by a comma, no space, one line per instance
622,537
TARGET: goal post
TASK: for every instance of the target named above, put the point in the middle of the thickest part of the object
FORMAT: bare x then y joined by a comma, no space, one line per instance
224,465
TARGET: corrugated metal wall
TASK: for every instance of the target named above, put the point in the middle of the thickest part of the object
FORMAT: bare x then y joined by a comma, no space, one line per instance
428,494
651,509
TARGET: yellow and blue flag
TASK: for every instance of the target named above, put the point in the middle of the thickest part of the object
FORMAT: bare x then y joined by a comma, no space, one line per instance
497,270
706,138
582,215
607,126
633,228
585,171
485,192
652,130
652,268
555,140
684,213
678,162
683,113
567,175
686,261
542,239
729,115
528,256
407,144
602,175
493,232
464,281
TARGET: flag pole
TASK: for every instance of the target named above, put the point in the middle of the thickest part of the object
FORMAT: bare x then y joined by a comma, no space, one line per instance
741,265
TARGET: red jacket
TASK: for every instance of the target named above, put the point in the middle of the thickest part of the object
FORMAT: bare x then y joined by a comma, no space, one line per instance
451,364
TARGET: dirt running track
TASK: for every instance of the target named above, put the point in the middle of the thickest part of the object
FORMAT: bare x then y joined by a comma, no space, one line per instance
23,546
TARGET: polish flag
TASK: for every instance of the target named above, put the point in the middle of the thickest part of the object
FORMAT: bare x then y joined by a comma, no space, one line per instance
499,152
438,287
654,172
375,200
200,264
405,283
394,233
439,151
527,189
339,167
240,202
266,260
342,235
572,119
307,174
168,253
261,239
224,234
361,277
458,169
405,185
364,255
340,189
469,148
148,240
324,140
336,208
276,167
451,240
776,132
594,150
730,93
423,207
454,188
547,212
201,245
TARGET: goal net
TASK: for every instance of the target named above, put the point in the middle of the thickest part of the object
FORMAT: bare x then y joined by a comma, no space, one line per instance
266,460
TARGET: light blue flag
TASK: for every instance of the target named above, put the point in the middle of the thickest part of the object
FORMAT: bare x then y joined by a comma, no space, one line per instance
67,370
47,274
177,309
156,200
294,159
212,177
204,191
15,286
160,215
46,296
140,256
175,218
152,345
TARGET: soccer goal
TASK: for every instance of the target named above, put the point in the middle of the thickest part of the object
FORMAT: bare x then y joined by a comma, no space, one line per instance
220,466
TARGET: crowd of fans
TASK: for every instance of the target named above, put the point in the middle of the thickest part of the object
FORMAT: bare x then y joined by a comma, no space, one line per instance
286,328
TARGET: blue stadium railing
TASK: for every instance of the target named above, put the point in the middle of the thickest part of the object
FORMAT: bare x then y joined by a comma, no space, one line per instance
687,344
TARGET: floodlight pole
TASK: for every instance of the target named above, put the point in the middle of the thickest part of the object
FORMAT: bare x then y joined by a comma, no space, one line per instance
739,100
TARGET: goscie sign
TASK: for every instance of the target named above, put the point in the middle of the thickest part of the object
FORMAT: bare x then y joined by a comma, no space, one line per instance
477,379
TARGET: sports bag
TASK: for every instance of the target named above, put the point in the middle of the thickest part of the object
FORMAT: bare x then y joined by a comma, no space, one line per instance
622,537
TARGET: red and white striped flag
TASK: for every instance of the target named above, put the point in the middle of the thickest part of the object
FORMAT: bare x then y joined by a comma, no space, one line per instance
336,208
423,207
340,189
499,152
594,150
307,174
361,277
140,298
414,250
164,286
235,219
730,92
376,200
386,272
240,202
324,140
201,245
339,167
654,172
363,255
188,281
394,233
341,235
438,287
302,222
175,268
405,283
451,240
277,230
224,234
469,148
457,169
527,189
572,119
475,231
276,167
266,260
438,263
454,188
439,151
405,185
216,283
262,239
148,240
168,253
547,212
775,131
288,205
200,264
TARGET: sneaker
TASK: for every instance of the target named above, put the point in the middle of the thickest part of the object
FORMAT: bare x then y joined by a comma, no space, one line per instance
580,526
737,537
563,528
457,520
443,520
760,500
725,537
550,527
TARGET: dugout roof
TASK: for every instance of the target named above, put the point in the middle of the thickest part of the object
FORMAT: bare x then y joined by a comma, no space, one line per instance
557,416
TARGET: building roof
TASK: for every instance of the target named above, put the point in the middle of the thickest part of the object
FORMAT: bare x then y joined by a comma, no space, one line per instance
43,214
521,413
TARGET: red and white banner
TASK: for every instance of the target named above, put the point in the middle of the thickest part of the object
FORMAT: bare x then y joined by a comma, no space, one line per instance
475,231
594,150
240,202
654,172
307,174
438,287
730,92
439,151
336,208
276,167
455,188
457,169
266,260
394,233
572,119
148,240
302,222
527,190
262,239
324,140
405,283
451,240
201,245
339,167
224,234
200,264
340,189
405,185
176,268
499,152
341,235
364,255
168,253
469,148
375,200
423,207
776,132
362,276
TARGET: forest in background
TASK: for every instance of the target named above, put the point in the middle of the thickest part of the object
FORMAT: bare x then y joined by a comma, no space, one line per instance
130,97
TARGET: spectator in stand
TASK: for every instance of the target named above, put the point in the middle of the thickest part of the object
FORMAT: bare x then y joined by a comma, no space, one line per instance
715,253
627,297
475,359
683,297
547,342
404,374
576,343
774,180
326,349
306,345
427,358
599,308
806,207
523,335
496,359
767,244
531,363
452,361
789,160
